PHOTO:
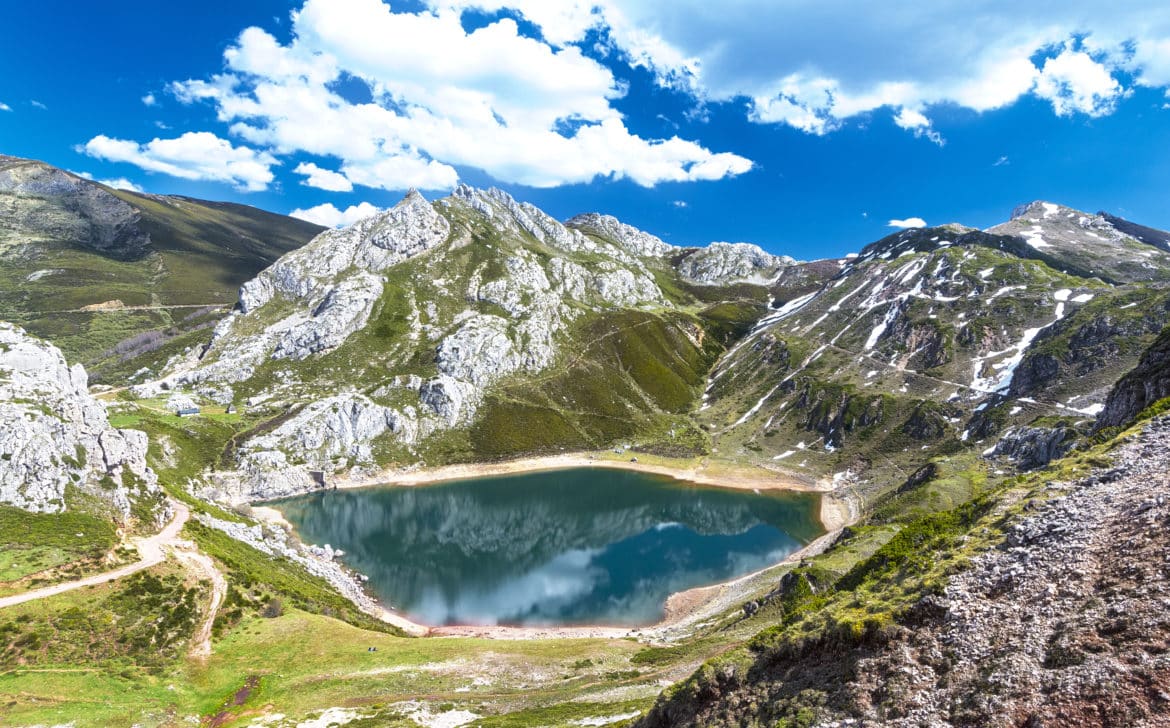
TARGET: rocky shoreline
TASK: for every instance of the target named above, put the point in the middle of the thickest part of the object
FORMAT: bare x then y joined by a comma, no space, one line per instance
683,610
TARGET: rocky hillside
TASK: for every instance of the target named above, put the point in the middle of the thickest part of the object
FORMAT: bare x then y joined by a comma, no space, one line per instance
473,327
1142,387
478,327
57,447
936,341
90,267
1053,613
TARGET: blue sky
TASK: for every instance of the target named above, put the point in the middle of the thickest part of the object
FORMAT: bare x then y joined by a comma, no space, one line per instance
805,127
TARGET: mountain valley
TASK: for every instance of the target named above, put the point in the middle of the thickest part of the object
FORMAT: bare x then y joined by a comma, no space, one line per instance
980,413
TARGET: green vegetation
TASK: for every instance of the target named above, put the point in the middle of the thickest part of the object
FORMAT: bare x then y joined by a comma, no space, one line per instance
31,543
142,623
628,376
255,576
199,253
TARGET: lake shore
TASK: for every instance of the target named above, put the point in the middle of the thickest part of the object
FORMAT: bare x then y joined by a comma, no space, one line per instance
837,510
682,610
702,472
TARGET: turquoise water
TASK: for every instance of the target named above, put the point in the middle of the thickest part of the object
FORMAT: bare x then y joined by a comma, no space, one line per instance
581,546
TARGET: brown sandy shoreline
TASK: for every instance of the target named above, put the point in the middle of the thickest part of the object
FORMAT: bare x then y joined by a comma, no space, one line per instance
683,608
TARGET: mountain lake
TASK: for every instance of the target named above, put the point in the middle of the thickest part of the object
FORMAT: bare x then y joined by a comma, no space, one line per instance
557,547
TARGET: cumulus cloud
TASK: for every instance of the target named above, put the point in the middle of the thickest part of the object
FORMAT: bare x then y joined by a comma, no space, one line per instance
323,179
910,222
1075,82
523,110
193,156
329,216
5,107
149,100
120,183
37,104
789,60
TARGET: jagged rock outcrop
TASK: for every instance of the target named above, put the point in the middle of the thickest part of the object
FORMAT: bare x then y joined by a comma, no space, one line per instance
629,237
1147,383
722,263
329,435
370,245
1034,447
54,435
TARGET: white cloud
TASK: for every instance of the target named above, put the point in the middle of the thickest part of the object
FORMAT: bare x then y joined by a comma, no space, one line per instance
518,108
910,222
149,100
1003,161
915,121
680,203
1074,82
5,107
38,104
323,179
812,65
329,216
121,183
194,156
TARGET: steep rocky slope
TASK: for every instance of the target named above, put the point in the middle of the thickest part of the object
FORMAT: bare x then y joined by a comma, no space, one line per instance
1056,617
1147,383
474,327
478,327
67,243
56,441
940,340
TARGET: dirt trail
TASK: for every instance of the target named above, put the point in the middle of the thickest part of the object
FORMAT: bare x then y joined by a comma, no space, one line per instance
150,553
202,564
102,308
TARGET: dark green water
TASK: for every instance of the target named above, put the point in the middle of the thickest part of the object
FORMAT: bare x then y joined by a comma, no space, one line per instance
588,545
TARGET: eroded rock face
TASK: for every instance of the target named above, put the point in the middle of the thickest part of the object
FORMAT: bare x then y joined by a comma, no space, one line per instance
722,263
1146,384
53,434
329,435
629,237
45,202
1034,447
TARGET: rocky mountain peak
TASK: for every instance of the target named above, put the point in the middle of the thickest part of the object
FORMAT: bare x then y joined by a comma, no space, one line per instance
627,236
1036,210
720,263
1085,243
40,201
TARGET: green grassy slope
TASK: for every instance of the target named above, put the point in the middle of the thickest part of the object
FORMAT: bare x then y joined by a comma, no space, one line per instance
198,254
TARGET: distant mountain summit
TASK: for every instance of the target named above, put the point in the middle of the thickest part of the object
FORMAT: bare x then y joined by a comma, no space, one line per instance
70,246
1089,245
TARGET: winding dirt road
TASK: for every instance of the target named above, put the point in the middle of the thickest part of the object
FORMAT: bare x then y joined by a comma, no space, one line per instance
152,550
202,564
150,553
